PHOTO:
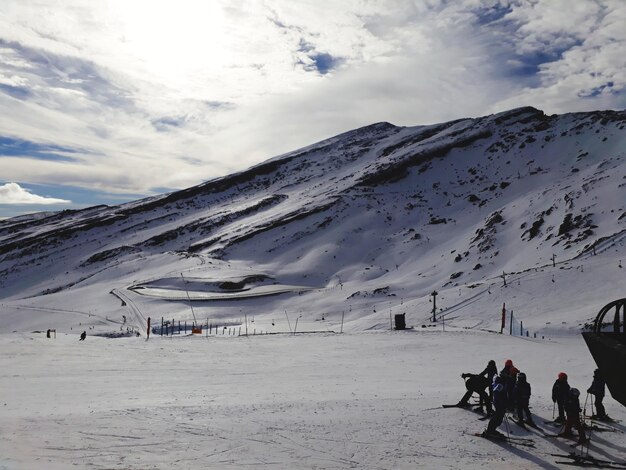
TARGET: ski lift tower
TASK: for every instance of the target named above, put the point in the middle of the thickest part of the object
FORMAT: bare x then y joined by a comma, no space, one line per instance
434,294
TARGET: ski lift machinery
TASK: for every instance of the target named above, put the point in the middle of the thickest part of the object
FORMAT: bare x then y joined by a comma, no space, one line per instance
606,341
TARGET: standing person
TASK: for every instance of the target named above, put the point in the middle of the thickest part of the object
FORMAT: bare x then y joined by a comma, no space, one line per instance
508,373
499,403
560,391
83,335
572,409
521,392
597,390
507,367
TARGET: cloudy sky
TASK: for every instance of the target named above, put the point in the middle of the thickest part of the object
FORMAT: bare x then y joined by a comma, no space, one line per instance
111,100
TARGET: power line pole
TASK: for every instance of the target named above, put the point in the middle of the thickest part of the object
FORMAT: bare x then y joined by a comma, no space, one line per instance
434,294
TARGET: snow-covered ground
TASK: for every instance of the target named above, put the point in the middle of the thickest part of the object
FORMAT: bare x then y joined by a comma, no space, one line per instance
358,400
518,208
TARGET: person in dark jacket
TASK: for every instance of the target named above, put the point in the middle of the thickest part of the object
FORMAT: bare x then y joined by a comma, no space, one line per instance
500,400
560,392
476,383
572,409
521,394
490,372
508,374
597,390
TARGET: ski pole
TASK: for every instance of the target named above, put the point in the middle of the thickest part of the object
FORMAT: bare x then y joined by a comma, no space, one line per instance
585,406
589,437
553,409
592,400
506,425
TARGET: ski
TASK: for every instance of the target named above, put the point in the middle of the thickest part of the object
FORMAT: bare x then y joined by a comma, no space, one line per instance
601,426
588,461
526,442
575,463
596,428
465,407
603,420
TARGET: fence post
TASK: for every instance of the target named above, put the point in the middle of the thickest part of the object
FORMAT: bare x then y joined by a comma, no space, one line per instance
511,324
521,328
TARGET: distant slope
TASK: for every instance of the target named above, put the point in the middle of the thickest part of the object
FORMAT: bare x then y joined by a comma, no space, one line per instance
406,209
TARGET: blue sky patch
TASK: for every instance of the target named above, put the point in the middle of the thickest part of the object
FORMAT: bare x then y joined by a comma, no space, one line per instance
10,147
21,93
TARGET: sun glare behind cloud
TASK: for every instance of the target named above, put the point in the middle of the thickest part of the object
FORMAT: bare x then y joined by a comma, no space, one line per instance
173,42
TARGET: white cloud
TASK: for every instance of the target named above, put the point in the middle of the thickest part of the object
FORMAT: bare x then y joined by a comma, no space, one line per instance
13,193
169,94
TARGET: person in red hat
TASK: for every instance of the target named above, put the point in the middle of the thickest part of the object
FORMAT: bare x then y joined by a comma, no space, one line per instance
560,394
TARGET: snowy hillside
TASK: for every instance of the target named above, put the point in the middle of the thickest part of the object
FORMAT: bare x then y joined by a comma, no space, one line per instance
376,218
517,208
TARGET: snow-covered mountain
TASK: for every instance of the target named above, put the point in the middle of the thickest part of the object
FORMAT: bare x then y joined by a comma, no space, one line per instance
365,224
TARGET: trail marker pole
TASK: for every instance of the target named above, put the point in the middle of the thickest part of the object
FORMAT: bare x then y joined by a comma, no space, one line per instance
434,294
511,325
342,314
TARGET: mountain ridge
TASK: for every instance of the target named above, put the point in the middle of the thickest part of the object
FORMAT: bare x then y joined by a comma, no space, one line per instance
457,202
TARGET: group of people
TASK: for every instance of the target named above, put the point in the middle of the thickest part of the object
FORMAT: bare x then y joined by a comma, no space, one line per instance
509,391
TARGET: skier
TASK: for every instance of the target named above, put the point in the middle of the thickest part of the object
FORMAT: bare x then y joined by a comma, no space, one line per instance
508,373
597,390
507,367
521,393
560,391
490,372
83,335
476,383
500,399
572,409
